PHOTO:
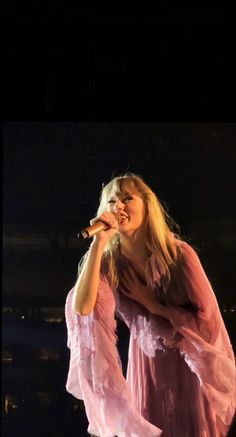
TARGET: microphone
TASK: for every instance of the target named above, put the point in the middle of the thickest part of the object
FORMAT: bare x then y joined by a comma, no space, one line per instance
98,226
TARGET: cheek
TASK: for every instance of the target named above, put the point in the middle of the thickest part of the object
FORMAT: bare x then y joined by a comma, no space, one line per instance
109,208
139,215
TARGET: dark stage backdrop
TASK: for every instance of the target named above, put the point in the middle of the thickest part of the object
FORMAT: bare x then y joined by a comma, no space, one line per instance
53,175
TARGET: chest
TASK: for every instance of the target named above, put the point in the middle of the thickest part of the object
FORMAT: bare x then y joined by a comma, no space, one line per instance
140,271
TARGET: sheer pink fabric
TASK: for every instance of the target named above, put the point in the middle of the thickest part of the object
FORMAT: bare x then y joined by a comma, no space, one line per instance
181,373
95,373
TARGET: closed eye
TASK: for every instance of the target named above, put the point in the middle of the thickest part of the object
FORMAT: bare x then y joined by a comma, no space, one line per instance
127,199
124,200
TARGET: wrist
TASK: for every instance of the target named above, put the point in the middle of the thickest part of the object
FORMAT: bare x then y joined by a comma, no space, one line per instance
98,245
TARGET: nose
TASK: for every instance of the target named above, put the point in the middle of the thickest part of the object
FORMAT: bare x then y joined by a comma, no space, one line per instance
118,206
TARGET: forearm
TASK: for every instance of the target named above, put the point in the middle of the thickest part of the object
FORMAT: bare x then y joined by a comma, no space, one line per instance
86,287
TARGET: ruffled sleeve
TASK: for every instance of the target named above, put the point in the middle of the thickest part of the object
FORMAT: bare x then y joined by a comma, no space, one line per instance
204,342
203,314
195,327
95,373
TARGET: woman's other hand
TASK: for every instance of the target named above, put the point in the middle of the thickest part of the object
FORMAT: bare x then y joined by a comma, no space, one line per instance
132,287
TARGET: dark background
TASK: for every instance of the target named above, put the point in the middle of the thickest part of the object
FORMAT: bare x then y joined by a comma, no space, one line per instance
88,92
141,61
53,175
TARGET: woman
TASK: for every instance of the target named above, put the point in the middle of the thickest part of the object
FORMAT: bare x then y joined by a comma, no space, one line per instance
181,375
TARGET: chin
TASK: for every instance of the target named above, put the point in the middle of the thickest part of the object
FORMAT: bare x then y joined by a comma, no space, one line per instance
123,230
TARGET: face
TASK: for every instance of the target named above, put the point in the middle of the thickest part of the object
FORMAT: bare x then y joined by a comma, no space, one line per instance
131,210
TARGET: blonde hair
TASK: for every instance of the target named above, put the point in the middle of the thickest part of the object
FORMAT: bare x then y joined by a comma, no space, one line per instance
159,227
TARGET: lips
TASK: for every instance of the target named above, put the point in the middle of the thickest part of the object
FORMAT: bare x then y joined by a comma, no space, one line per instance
123,218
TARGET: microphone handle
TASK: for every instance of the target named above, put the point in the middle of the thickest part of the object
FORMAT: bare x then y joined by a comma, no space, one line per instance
91,230
98,226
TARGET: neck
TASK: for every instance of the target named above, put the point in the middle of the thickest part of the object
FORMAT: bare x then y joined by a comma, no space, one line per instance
134,248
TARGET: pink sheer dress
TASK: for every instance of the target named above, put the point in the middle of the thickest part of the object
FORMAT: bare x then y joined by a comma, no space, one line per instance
180,378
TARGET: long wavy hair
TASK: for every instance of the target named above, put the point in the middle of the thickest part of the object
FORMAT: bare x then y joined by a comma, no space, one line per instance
160,230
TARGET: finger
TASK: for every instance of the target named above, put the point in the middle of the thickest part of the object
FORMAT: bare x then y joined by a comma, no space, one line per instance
124,281
127,277
96,219
131,271
135,276
131,276
124,291
125,273
109,219
104,218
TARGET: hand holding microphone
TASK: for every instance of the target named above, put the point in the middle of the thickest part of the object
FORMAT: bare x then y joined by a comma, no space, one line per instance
105,226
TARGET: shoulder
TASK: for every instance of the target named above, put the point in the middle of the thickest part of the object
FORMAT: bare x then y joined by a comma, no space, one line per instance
189,264
186,251
188,261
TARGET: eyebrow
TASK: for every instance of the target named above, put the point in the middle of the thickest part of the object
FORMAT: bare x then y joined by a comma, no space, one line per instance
124,195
